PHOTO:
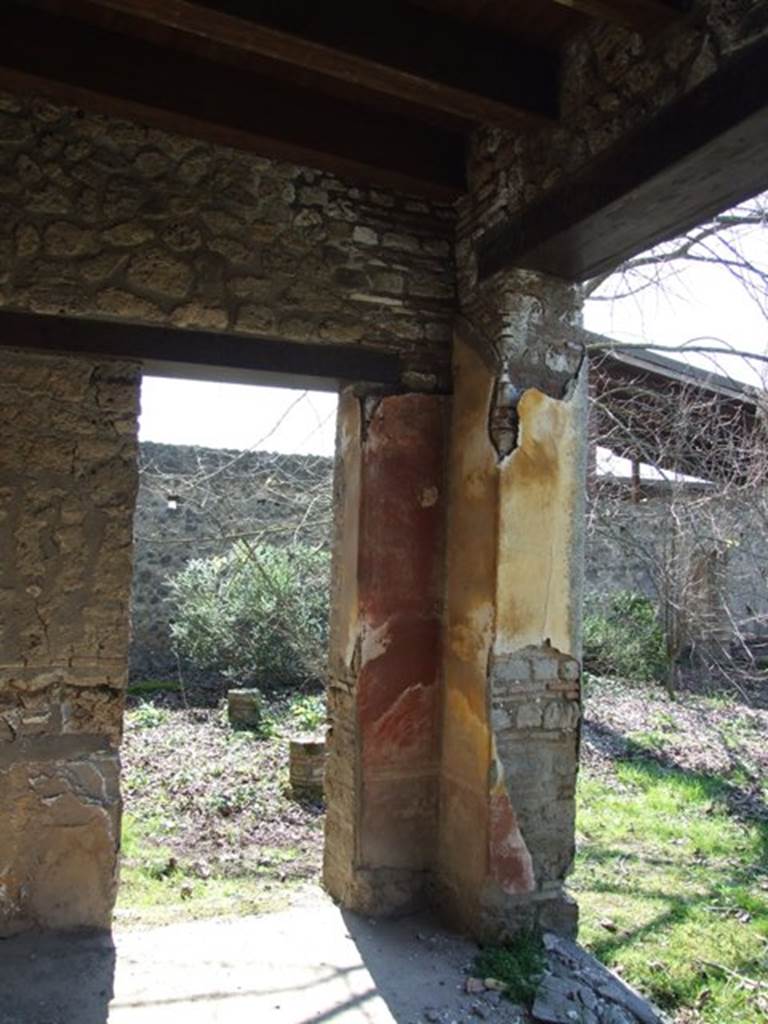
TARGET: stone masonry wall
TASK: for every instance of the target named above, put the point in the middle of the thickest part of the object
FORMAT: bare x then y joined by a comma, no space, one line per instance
613,80
221,495
217,496
67,488
629,542
106,218
515,524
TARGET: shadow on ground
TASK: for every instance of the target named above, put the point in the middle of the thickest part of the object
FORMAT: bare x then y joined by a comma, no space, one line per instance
309,964
66,978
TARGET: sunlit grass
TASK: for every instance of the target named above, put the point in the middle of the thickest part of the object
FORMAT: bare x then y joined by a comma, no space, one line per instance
674,891
157,887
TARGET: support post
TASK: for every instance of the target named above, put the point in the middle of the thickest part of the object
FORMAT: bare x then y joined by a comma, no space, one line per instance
516,466
381,773
67,490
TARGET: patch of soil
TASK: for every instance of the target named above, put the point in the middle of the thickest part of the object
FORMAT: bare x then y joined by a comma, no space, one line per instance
216,796
694,733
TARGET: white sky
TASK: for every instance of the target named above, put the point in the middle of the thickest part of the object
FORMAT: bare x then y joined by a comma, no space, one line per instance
237,416
704,301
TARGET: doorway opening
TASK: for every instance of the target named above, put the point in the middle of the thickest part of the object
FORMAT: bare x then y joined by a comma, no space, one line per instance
223,747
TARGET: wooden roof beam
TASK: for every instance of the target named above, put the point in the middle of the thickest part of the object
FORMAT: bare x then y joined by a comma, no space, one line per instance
217,355
391,47
113,73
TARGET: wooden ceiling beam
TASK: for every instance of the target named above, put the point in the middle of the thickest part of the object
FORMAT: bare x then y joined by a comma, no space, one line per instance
113,73
391,47
643,16
172,351
705,152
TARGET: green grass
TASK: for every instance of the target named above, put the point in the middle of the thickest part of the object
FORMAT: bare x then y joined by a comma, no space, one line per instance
519,964
157,887
147,687
148,716
683,887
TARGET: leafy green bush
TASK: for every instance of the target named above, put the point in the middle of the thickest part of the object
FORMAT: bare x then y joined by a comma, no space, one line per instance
257,615
623,638
308,711
148,716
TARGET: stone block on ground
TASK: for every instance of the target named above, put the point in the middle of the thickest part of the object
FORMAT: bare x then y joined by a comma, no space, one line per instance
244,708
307,766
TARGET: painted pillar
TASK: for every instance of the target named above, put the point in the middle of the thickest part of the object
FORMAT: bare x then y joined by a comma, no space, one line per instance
516,471
67,490
381,774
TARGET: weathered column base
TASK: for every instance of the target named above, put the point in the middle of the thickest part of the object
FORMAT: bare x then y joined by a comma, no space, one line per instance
383,892
510,654
495,916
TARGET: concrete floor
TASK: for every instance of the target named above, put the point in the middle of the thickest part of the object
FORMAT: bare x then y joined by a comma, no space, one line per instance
308,964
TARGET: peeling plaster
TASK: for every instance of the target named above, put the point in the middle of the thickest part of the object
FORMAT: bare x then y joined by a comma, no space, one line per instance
374,641
471,639
541,499
511,864
513,558
401,726
429,496
503,418
345,651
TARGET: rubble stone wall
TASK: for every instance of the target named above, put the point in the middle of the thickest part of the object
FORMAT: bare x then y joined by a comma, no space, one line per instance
613,80
106,218
194,503
221,494
718,544
67,488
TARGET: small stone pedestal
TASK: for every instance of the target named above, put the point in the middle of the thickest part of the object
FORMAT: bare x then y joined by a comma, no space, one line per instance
244,709
307,767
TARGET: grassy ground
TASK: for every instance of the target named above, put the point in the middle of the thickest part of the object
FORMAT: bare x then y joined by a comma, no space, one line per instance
672,863
210,826
672,866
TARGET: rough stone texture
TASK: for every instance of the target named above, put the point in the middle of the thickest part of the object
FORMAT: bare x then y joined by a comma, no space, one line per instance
244,709
192,502
381,781
718,545
101,217
220,494
107,218
534,697
613,80
577,987
67,487
306,766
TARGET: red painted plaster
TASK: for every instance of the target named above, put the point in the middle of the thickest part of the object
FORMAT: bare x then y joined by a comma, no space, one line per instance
399,604
510,860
